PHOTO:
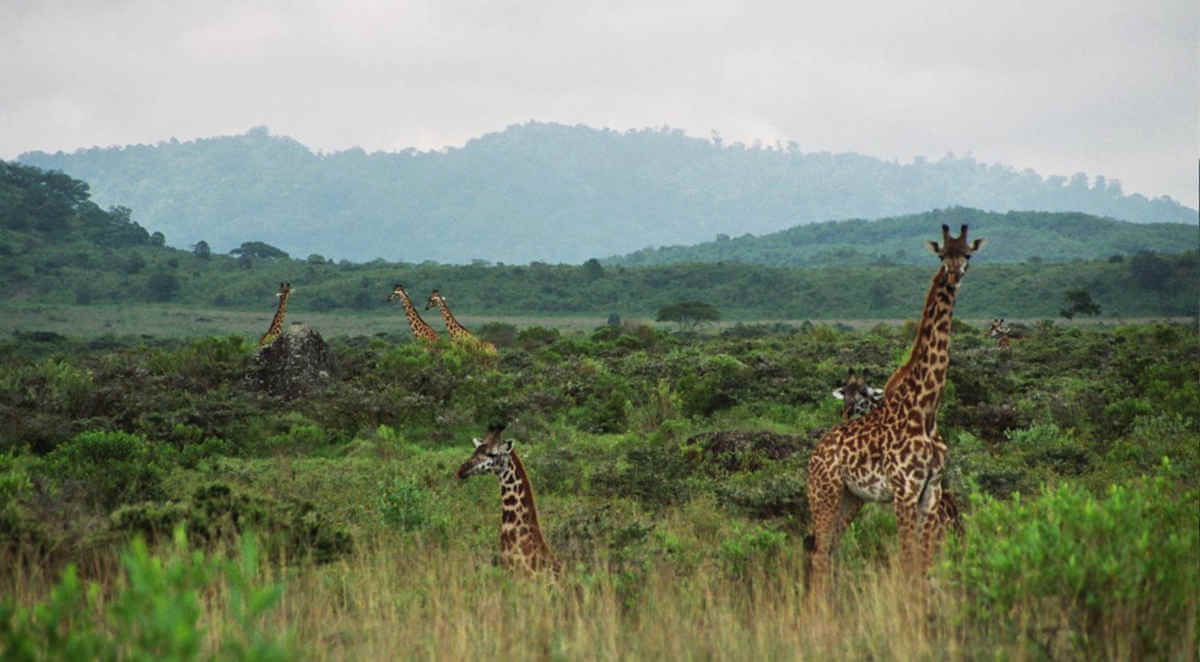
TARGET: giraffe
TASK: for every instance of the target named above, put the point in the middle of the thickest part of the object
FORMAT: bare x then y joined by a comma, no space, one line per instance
458,332
1000,333
276,328
895,453
856,395
420,329
522,546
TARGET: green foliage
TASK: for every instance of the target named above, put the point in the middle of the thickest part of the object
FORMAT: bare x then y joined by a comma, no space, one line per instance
112,467
154,616
411,508
258,249
1123,563
753,546
1079,302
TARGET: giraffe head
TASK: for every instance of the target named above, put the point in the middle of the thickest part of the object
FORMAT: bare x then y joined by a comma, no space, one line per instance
997,328
492,455
284,290
435,299
857,397
954,252
397,293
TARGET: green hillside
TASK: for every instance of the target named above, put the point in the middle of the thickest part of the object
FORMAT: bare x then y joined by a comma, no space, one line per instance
61,248
544,192
1012,236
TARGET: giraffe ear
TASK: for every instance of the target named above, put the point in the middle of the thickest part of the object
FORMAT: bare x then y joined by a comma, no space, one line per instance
506,446
475,440
875,393
837,393
977,244
932,247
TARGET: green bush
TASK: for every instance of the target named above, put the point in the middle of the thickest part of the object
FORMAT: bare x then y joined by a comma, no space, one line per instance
111,467
1119,571
153,616
409,507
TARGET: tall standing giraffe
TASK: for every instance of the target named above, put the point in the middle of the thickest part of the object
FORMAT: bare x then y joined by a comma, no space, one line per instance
895,453
276,328
420,329
522,546
458,332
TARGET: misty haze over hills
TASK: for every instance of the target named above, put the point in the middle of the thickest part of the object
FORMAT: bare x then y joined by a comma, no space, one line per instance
544,192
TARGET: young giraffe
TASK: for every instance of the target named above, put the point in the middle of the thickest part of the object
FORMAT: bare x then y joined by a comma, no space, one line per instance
420,329
458,332
857,397
522,546
1000,333
895,453
276,328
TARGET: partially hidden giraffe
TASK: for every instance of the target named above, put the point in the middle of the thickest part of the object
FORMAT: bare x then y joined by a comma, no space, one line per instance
522,546
856,395
420,329
895,453
276,328
458,332
1001,333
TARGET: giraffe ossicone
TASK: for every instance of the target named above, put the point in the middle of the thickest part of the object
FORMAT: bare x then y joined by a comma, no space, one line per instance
894,453
858,398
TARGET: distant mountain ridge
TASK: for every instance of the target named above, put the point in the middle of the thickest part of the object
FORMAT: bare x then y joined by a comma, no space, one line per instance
1012,237
543,192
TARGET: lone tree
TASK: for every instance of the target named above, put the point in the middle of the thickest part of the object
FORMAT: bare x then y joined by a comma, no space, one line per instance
258,249
1079,301
688,314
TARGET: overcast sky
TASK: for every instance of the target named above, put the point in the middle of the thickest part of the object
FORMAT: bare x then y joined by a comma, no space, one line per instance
1107,87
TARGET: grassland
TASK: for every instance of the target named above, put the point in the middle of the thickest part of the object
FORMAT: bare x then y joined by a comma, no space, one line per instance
670,478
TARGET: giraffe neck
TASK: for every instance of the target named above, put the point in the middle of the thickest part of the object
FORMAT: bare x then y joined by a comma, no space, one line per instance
917,385
455,329
419,328
276,327
518,514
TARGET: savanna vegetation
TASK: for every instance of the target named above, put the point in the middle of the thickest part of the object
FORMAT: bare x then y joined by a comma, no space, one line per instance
159,501
549,192
670,476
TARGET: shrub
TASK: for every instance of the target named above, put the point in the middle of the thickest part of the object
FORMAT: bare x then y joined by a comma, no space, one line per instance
154,616
113,467
1118,571
409,507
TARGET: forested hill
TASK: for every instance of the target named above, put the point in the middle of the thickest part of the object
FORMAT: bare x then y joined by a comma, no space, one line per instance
544,192
1012,237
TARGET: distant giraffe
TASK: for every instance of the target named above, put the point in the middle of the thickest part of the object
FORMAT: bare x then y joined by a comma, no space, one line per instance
276,328
458,332
420,329
1001,333
522,546
857,396
895,453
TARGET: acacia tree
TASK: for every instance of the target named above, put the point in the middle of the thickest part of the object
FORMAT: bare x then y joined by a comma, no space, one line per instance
688,314
1079,301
